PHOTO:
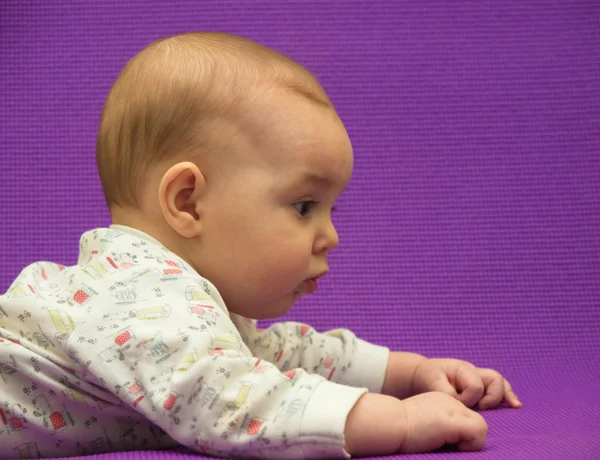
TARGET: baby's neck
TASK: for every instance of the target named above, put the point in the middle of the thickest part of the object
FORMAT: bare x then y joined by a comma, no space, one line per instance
152,225
137,219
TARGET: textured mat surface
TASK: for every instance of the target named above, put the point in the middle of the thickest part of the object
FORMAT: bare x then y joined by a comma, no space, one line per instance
471,227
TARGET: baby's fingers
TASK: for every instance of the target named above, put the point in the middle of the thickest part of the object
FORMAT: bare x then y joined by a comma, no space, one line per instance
496,390
473,433
510,397
469,385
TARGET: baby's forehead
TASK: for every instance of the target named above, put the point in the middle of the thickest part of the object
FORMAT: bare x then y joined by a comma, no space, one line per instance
304,141
315,169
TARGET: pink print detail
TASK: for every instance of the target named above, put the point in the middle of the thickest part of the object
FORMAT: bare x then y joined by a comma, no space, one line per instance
80,296
290,374
126,265
202,445
31,288
135,388
170,402
259,368
61,267
254,427
172,271
327,362
199,309
44,276
122,338
304,329
58,421
171,263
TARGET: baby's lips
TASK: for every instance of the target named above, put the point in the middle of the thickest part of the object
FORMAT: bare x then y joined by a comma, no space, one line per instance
310,286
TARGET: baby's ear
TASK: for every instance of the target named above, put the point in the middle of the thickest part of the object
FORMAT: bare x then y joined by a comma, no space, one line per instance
180,191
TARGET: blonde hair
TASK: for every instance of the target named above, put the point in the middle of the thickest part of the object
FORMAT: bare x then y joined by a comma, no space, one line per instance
171,98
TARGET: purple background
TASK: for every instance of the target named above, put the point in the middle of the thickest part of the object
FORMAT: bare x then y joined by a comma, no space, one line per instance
471,227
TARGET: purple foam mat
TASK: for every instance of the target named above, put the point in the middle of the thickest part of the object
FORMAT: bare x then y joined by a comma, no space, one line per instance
559,420
471,226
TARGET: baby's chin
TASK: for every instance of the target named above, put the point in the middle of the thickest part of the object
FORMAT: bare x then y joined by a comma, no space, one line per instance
267,310
280,308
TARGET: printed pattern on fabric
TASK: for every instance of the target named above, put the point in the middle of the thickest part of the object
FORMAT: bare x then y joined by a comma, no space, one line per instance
132,349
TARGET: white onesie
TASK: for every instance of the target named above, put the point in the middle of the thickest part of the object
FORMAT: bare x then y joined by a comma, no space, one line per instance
132,349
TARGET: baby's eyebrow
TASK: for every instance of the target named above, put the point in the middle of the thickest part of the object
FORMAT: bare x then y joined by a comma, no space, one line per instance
318,179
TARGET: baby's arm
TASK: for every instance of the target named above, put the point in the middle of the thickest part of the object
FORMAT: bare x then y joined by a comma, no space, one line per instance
337,355
202,385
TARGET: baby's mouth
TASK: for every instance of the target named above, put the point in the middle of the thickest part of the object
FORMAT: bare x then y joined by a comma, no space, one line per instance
310,286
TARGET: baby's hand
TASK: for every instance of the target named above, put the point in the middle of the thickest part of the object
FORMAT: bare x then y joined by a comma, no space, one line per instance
383,425
471,385
435,419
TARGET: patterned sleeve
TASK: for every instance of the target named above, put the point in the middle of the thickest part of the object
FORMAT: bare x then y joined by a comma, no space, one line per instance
337,355
203,386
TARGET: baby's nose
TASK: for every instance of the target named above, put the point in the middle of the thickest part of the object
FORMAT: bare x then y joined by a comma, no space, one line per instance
327,239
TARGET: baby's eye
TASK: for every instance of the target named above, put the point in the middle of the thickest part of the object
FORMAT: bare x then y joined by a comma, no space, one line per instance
304,206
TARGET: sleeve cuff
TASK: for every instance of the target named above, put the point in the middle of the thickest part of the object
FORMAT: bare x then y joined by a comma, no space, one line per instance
325,414
368,367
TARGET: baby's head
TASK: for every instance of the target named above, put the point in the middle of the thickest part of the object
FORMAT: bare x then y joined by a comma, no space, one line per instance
232,156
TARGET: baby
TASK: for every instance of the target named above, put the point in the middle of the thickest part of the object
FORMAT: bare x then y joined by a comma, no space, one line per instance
221,161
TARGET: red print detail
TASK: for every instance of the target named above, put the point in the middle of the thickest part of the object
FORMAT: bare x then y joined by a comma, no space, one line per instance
58,421
122,338
172,271
16,423
170,402
31,288
80,296
331,374
18,342
202,445
254,427
199,309
3,416
290,374
112,262
304,329
137,401
61,267
171,263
